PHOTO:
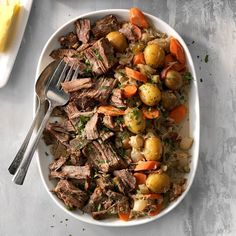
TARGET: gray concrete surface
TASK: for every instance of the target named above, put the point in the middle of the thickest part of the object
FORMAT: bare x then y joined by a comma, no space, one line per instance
209,27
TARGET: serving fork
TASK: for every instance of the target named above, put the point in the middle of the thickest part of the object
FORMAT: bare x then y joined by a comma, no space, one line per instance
55,96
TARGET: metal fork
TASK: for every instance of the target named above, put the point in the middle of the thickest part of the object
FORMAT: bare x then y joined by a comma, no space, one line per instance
55,97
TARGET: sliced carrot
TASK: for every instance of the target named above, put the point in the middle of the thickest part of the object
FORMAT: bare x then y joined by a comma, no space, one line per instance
170,60
140,178
150,113
139,59
123,216
177,50
138,18
129,90
178,114
153,196
110,110
157,211
147,165
134,74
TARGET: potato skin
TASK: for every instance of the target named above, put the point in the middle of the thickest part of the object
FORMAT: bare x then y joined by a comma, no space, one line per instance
173,80
117,40
168,100
158,183
154,55
152,149
150,94
134,120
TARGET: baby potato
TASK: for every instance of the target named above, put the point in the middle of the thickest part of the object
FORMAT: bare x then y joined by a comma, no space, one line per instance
168,100
154,55
117,40
136,141
173,80
134,120
152,149
158,183
150,94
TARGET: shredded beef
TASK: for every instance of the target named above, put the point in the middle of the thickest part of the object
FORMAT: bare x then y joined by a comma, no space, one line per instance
69,41
105,25
82,27
116,98
61,53
100,56
72,196
57,164
78,84
127,179
103,157
91,128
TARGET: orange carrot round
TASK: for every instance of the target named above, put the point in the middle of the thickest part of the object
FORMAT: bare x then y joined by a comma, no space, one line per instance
177,50
129,90
110,110
147,165
153,196
150,113
178,114
134,74
140,178
139,59
123,216
137,17
169,60
157,211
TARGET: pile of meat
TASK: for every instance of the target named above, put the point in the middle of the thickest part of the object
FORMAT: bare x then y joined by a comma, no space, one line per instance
92,174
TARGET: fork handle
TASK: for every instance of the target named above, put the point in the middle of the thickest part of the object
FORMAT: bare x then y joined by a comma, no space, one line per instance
19,156
23,168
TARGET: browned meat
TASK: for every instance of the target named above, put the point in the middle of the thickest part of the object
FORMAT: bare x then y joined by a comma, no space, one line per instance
72,196
131,32
71,110
77,64
105,25
103,157
104,135
119,184
78,84
116,98
67,125
69,41
91,128
58,150
78,143
109,123
58,132
72,172
105,203
84,46
99,195
127,179
57,164
105,182
61,53
82,27
100,56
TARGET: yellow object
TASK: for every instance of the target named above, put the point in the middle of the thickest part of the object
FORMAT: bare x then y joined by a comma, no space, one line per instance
8,12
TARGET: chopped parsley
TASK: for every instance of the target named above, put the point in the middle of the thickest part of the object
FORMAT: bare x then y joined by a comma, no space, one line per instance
206,58
97,54
80,125
187,76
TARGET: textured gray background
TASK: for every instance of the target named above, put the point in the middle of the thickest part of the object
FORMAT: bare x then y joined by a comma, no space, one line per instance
209,28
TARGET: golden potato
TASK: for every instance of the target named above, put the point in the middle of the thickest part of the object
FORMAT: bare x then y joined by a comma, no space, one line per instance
134,120
173,80
154,55
117,40
152,149
150,94
158,183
